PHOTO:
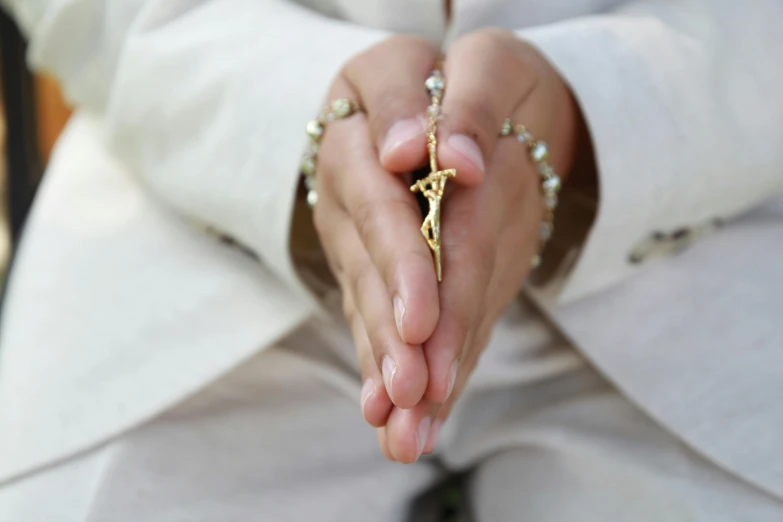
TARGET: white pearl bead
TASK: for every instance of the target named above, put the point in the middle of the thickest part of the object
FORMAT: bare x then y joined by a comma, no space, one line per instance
552,185
535,261
308,165
539,152
545,231
435,84
314,129
312,198
508,126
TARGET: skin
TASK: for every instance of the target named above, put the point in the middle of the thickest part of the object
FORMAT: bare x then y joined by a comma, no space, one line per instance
418,341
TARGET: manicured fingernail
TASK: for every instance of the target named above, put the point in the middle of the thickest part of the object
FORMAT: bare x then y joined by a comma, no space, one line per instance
399,314
468,148
422,434
367,390
432,441
389,369
400,133
452,377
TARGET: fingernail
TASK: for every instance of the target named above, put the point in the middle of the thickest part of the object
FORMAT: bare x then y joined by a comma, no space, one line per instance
423,434
367,390
400,133
452,377
468,148
399,314
388,368
432,441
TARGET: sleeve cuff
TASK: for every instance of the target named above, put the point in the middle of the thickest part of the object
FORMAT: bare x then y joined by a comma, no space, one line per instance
661,139
213,119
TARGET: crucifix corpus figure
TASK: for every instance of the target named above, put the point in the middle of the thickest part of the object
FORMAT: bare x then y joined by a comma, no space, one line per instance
432,188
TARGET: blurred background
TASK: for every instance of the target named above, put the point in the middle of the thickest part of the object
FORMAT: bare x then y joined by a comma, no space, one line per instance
32,115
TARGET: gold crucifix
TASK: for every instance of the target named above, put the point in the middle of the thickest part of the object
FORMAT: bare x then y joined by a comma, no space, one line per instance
433,186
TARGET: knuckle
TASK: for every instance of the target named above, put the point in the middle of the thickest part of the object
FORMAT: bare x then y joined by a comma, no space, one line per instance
391,102
380,344
407,265
337,156
418,259
328,161
352,67
365,217
480,115
369,216
366,359
360,281
396,251
470,362
484,251
326,170
336,266
476,119
462,321
364,352
392,106
475,257
349,310
377,344
320,222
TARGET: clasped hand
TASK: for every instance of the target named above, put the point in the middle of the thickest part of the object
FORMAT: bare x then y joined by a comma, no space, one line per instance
418,341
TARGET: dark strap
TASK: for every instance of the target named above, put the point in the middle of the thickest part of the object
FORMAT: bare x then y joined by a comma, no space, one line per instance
22,153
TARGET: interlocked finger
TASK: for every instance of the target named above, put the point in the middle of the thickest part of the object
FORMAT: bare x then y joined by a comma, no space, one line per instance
402,366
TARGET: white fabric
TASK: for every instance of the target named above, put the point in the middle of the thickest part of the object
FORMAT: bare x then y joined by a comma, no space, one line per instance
100,360
684,115
117,309
281,439
679,94
711,369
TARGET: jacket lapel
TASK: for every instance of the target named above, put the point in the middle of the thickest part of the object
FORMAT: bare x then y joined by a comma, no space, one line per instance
117,310
697,342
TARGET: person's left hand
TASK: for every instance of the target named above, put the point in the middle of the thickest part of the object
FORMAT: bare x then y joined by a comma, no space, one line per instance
489,231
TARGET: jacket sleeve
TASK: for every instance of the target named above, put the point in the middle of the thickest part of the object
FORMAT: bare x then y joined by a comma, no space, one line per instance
205,101
682,100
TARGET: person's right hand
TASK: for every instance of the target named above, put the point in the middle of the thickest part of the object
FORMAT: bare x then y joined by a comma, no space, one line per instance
368,220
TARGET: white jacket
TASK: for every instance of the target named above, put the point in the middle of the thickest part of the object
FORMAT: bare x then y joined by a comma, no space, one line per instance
118,307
